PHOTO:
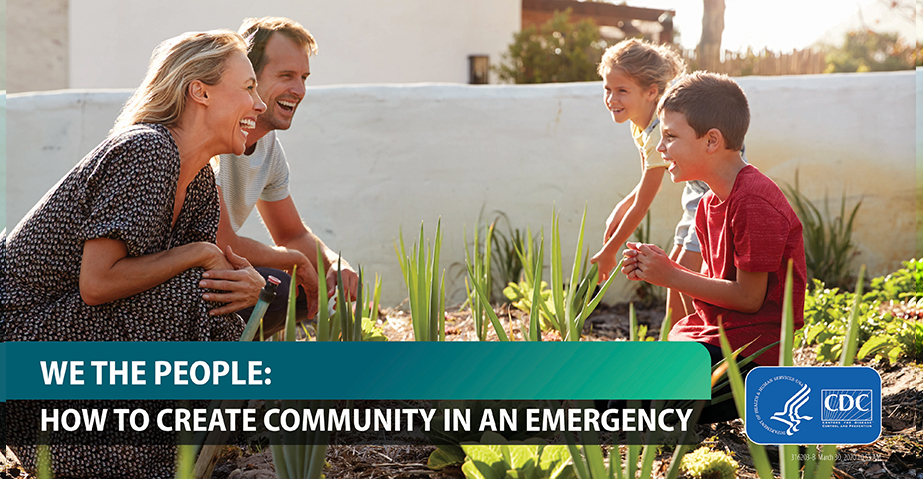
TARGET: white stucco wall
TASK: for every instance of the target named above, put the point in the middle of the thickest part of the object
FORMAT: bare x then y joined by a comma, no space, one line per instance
361,41
368,160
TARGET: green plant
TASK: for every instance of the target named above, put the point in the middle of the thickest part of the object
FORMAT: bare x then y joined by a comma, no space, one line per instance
789,465
888,317
828,246
573,306
449,452
529,459
589,462
707,463
647,293
506,259
300,454
478,282
866,50
903,284
44,462
349,322
520,296
899,333
425,287
557,51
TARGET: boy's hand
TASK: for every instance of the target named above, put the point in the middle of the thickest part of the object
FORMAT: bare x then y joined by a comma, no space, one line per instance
647,262
606,262
630,261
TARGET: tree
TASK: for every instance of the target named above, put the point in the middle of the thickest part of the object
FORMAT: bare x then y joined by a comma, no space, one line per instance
708,53
865,50
557,51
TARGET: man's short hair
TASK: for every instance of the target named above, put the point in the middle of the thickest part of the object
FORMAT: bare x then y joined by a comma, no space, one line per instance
258,30
709,100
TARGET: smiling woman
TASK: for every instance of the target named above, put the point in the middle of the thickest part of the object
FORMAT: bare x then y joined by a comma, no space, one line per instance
123,247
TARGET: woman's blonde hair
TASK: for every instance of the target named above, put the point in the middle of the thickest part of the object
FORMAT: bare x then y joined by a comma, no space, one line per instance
645,63
174,65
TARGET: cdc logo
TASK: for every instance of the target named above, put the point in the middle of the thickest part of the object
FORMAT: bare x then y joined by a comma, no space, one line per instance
846,405
822,405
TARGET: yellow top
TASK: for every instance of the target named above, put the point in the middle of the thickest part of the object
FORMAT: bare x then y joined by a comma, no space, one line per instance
647,141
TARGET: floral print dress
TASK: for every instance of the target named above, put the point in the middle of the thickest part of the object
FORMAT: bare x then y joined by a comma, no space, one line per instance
124,190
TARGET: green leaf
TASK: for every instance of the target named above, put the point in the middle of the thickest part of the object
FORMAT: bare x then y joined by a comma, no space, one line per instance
482,462
554,462
849,352
290,318
785,340
874,345
445,456
523,458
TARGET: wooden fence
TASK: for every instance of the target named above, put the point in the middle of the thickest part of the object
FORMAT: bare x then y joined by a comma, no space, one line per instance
799,62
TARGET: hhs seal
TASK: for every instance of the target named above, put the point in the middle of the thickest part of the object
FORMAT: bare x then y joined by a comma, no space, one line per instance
813,405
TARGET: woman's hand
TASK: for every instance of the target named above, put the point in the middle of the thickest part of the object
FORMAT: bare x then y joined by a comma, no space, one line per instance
240,281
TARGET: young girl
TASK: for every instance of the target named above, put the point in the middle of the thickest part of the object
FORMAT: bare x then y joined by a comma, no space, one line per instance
635,75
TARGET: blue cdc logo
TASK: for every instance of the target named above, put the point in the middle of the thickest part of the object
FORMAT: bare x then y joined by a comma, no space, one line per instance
819,405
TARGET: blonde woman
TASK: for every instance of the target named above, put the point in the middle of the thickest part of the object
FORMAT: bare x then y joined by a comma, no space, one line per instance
123,247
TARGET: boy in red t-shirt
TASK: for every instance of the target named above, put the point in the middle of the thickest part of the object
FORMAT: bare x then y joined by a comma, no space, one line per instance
746,227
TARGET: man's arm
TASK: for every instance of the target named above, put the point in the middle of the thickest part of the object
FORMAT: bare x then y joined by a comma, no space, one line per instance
289,231
649,263
261,254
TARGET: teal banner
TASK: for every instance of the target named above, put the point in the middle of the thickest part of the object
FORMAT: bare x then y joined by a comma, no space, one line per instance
3,368
385,370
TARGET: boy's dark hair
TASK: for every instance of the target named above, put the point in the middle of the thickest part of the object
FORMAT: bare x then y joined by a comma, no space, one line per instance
256,31
709,100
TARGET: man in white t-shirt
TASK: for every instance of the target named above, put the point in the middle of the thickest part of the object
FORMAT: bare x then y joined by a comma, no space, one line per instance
260,177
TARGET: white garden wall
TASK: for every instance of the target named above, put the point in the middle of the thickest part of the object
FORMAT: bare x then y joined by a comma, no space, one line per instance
368,160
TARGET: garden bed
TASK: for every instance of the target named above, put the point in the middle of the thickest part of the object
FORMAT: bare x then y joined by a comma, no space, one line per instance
896,454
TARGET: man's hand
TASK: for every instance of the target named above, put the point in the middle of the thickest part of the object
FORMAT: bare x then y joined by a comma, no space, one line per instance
647,262
305,275
242,284
350,280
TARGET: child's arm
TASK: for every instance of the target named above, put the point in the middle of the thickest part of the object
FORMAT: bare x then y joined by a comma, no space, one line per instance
649,263
619,212
644,194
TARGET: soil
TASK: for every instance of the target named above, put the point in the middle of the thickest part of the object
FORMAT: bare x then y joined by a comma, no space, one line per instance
898,453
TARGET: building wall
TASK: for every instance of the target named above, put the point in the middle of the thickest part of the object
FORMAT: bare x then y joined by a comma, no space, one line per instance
369,161
36,45
360,41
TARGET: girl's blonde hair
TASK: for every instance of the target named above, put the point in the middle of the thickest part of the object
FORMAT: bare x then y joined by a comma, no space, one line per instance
174,65
645,63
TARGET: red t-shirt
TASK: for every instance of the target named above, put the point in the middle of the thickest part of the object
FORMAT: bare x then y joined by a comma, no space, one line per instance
756,230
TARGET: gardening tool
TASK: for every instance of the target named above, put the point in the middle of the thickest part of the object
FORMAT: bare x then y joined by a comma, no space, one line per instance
267,294
208,454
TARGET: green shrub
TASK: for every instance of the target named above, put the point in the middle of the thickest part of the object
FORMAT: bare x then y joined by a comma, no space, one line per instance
706,463
888,319
557,51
